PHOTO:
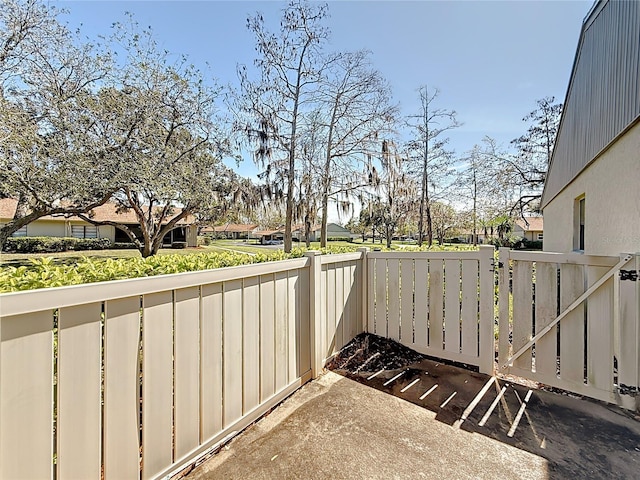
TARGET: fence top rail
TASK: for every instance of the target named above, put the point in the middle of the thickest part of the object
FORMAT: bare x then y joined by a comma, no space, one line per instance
459,255
340,257
28,301
567,258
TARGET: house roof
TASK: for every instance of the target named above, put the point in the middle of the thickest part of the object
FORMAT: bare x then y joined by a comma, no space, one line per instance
235,227
103,213
531,224
602,99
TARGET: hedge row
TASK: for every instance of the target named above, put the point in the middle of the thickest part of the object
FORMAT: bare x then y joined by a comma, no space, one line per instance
54,244
45,273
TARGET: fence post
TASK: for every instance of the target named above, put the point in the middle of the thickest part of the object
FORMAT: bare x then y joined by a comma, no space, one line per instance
487,342
364,281
316,320
629,336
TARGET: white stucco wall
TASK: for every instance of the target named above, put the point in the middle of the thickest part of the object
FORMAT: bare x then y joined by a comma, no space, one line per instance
45,228
611,186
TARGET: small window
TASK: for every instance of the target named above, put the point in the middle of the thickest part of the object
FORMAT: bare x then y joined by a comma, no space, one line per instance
540,235
21,232
84,231
579,224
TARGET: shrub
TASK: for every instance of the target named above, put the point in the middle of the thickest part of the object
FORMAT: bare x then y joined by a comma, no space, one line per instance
123,246
44,273
179,245
54,244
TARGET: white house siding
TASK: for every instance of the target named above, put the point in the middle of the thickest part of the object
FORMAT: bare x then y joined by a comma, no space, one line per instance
611,186
44,228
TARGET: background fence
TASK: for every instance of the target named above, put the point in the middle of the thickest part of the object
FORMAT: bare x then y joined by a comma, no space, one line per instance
438,303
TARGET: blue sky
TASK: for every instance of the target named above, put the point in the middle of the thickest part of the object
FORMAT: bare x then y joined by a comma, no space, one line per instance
490,59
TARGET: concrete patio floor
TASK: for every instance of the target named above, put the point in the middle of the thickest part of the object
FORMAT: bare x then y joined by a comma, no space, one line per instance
379,427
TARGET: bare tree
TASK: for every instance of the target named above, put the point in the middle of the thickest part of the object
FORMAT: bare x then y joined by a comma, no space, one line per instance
432,159
357,103
289,67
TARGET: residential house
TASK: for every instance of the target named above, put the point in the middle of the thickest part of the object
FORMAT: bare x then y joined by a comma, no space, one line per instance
230,231
62,226
591,199
529,228
334,232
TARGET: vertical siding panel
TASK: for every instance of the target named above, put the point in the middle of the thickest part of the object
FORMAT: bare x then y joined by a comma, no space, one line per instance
436,303
452,305
393,292
187,370
338,304
157,383
121,394
26,395
408,298
421,299
79,387
522,311
572,326
251,344
281,331
267,337
211,360
546,312
470,307
232,352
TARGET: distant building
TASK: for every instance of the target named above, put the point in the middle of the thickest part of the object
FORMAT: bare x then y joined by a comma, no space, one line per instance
233,231
529,228
591,199
61,226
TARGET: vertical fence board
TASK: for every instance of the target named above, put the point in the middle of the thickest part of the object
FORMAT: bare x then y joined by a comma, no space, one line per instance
187,370
469,313
421,302
338,304
629,332
26,395
504,312
332,310
281,332
452,305
599,331
232,352
292,326
381,297
436,303
345,269
326,310
121,393
267,337
79,391
546,311
407,301
393,295
251,345
211,360
572,326
157,382
354,301
522,311
303,296
370,314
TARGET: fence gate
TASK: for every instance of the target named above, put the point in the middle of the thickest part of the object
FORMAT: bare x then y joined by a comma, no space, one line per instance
571,321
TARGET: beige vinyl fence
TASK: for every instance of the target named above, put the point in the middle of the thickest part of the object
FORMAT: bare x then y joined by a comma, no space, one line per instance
572,321
135,378
438,303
